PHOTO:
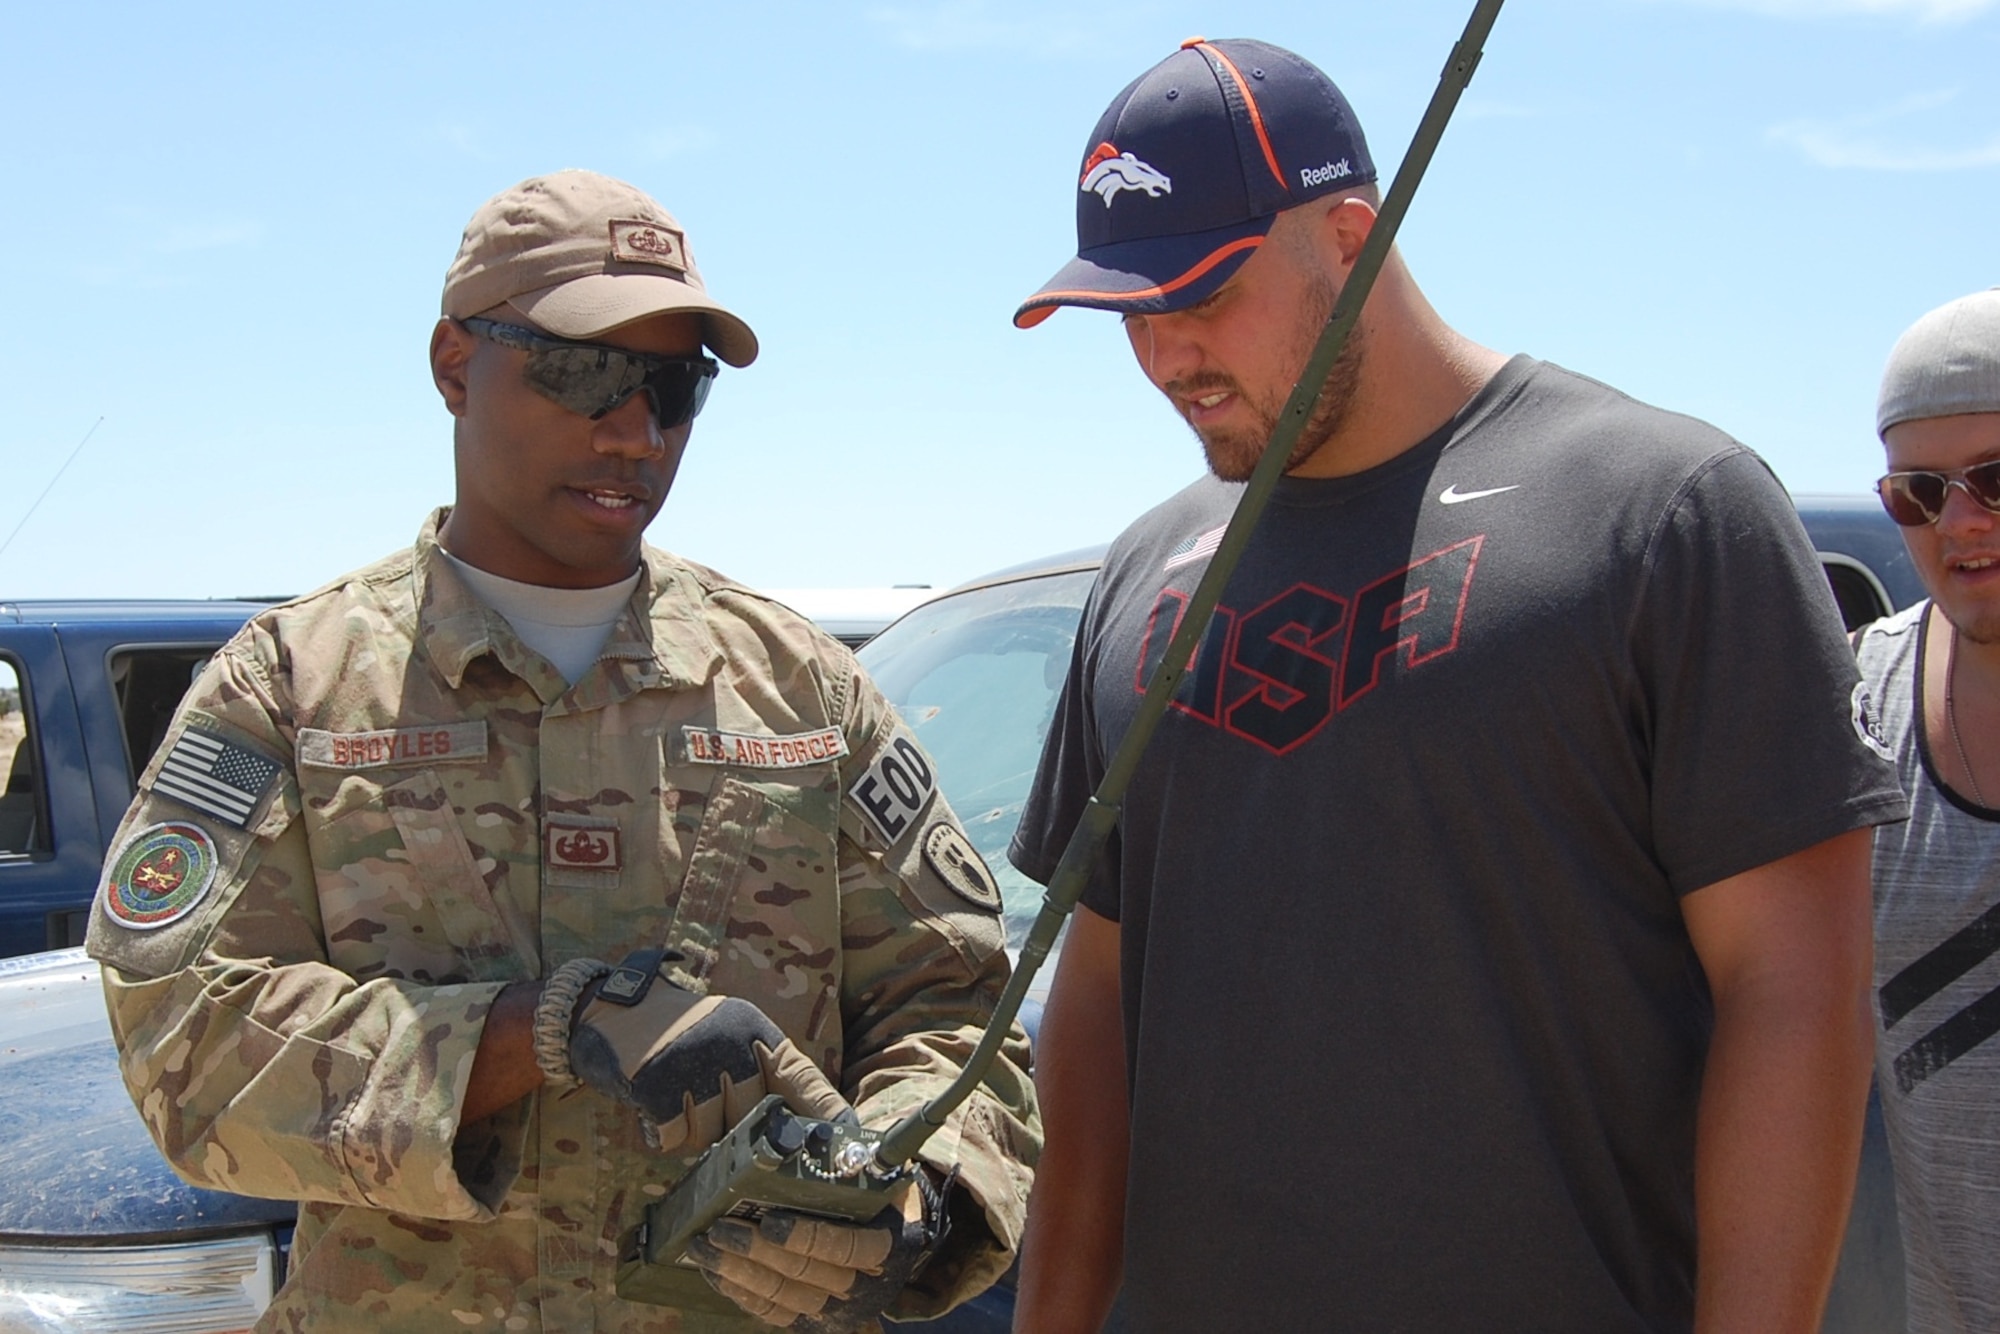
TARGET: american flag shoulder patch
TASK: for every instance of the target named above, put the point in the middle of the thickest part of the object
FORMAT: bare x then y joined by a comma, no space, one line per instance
1199,547
215,777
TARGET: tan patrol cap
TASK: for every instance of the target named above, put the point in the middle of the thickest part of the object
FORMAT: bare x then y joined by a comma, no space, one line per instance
579,254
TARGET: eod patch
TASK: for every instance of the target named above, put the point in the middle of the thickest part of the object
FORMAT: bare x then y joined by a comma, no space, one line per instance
896,788
159,876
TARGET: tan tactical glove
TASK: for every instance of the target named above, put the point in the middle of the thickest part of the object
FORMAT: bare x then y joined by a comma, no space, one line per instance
817,1276
693,1065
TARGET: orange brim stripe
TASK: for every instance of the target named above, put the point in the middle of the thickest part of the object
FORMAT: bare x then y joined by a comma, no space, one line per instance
1256,116
1046,302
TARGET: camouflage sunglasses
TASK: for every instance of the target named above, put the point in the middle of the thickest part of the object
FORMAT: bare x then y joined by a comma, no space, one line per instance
591,379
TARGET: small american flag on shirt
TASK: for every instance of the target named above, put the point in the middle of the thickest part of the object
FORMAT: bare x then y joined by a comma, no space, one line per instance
214,777
1198,547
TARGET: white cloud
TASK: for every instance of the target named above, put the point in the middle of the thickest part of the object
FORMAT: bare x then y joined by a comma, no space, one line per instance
167,236
678,139
131,279
1479,109
1859,141
207,236
1924,11
461,139
968,25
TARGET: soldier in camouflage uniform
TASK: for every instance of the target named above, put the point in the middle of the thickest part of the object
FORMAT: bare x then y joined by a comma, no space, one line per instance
383,819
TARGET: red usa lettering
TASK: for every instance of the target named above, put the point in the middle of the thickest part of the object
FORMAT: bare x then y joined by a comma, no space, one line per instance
740,749
1277,673
896,788
435,743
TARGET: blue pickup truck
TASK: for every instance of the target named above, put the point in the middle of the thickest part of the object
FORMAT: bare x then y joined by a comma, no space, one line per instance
86,692
96,1233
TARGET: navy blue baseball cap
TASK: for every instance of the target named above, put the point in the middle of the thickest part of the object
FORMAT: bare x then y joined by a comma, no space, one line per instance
1188,168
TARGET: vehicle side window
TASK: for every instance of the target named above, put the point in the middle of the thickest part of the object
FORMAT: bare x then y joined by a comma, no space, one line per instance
23,830
149,684
1859,594
976,676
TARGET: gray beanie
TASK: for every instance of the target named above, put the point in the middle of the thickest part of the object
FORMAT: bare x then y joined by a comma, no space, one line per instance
1946,363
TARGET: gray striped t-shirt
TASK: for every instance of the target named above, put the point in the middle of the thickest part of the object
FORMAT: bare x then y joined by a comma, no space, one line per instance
1937,998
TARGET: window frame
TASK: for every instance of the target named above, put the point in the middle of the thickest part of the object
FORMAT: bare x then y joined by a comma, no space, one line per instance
41,844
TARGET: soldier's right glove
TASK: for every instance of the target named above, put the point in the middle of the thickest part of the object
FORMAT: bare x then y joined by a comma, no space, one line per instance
692,1065
818,1276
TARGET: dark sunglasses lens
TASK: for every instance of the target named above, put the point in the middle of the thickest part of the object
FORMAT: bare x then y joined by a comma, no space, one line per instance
679,389
593,381
1913,498
1983,481
587,381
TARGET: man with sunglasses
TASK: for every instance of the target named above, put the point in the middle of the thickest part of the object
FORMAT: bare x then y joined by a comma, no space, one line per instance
472,894
1934,673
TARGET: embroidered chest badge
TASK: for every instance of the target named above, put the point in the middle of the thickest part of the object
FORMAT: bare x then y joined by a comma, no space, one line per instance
161,874
579,847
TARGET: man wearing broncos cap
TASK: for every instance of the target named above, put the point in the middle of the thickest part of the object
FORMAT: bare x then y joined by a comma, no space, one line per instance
1485,941
1934,671
472,894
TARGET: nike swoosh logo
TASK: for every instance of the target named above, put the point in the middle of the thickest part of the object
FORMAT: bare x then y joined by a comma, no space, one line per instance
1451,495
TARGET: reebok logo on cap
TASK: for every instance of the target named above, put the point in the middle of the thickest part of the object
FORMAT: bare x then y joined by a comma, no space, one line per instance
1332,171
1110,172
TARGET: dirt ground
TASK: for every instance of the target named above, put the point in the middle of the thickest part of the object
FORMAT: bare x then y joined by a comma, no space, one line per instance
13,730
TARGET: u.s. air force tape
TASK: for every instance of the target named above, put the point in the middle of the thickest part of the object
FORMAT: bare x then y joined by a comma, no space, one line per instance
708,745
893,792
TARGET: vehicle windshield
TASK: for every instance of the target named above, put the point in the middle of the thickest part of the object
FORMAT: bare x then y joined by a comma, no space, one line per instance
975,675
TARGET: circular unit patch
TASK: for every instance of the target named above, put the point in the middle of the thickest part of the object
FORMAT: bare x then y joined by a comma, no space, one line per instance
159,876
953,858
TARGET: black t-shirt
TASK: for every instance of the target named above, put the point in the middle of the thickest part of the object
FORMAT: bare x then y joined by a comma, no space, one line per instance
1414,1028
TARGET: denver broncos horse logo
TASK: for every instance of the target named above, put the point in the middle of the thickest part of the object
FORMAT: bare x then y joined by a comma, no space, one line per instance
1109,171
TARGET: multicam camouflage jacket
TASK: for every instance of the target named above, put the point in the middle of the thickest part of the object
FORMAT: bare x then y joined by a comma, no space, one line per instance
377,807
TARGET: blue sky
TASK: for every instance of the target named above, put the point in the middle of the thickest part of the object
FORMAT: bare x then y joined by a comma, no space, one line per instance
226,227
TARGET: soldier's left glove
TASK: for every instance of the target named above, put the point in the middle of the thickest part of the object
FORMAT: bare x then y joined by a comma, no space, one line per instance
817,1276
692,1065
